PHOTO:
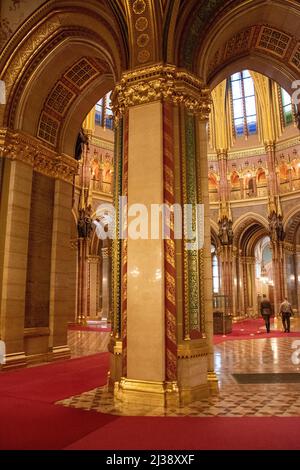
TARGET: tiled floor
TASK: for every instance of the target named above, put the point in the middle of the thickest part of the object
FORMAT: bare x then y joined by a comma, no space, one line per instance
240,356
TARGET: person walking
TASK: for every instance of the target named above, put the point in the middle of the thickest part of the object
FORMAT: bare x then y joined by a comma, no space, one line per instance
266,311
286,312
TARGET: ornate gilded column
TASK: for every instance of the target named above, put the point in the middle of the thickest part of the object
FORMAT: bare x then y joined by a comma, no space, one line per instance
106,283
14,233
222,156
291,271
277,236
93,262
226,251
161,293
206,285
240,303
84,227
270,147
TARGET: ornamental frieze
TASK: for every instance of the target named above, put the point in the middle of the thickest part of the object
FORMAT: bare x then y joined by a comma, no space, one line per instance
161,82
25,148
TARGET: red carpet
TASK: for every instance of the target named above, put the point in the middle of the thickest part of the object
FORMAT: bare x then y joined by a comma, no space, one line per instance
252,329
30,420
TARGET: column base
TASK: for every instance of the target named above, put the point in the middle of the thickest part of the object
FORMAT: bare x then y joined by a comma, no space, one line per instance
213,383
192,394
115,368
154,394
150,393
59,353
14,361
192,371
81,320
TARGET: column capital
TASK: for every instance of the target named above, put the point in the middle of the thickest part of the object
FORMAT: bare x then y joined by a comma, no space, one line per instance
222,154
161,82
270,145
16,145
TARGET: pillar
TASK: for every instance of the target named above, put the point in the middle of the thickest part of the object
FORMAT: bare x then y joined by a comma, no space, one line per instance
106,282
270,147
298,280
93,286
161,347
82,280
14,230
37,269
62,285
202,161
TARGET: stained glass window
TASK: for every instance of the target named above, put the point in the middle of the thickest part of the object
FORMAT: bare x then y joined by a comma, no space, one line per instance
215,270
104,113
287,107
244,107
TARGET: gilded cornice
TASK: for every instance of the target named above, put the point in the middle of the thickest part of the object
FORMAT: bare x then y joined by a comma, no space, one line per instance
290,247
104,144
190,350
286,144
257,151
161,82
28,149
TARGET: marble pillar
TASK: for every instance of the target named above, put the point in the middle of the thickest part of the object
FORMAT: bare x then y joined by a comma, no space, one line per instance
14,230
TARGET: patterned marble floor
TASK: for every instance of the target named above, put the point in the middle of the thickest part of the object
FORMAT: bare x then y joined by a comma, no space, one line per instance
240,356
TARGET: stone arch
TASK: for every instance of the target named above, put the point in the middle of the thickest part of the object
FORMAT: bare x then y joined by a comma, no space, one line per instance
220,39
291,225
245,222
214,234
77,52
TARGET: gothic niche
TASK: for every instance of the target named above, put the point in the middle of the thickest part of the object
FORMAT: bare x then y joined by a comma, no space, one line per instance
225,231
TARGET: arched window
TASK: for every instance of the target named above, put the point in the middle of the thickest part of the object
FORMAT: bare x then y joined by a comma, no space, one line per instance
104,113
215,270
287,107
243,101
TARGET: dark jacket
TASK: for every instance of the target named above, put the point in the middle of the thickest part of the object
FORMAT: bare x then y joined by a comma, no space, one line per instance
265,307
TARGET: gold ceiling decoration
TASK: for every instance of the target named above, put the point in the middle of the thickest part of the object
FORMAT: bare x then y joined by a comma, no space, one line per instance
161,82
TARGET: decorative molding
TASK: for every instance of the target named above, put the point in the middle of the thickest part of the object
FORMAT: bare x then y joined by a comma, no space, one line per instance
103,144
287,143
238,154
169,245
191,350
260,38
257,151
295,57
143,34
273,40
63,93
37,331
24,61
30,150
161,82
